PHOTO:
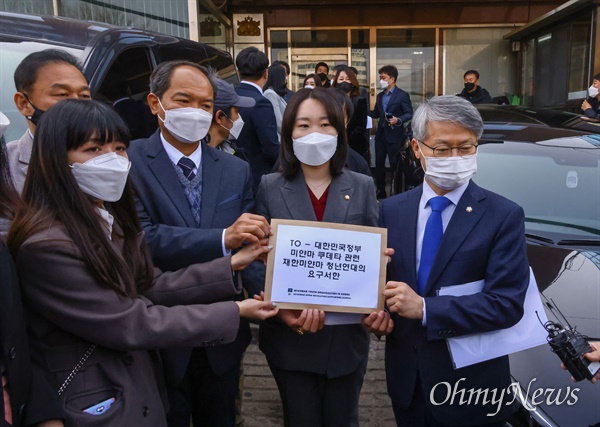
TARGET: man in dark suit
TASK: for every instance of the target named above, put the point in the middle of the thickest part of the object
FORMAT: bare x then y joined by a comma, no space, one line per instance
453,232
394,110
192,200
259,136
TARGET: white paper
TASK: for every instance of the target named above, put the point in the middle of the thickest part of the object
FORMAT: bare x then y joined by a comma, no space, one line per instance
527,333
347,276
369,122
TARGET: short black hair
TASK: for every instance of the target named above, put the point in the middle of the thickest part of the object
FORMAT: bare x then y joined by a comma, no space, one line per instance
160,79
252,63
596,77
27,71
284,65
390,70
339,67
355,70
321,64
475,72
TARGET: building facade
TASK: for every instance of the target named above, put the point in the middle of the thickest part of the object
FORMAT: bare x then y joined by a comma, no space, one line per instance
512,43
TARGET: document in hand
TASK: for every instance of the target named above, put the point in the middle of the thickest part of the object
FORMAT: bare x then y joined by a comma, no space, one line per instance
527,333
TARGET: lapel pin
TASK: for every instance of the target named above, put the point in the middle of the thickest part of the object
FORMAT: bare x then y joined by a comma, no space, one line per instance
347,197
469,209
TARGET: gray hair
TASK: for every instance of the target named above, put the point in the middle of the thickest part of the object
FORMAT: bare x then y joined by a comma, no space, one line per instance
447,108
160,79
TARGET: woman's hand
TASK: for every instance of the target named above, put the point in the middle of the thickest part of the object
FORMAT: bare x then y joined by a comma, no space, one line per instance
379,323
305,321
257,310
249,253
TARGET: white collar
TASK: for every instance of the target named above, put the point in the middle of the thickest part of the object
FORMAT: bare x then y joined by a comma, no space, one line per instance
107,220
175,155
253,84
453,195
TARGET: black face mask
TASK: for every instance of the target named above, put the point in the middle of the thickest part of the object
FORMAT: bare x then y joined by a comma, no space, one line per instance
323,77
345,86
469,86
37,113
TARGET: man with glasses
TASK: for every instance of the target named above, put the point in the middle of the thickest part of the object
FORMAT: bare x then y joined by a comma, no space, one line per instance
445,233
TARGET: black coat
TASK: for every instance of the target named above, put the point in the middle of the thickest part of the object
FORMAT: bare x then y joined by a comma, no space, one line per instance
478,96
32,398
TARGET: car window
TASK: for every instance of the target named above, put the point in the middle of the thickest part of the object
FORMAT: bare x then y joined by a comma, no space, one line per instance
127,76
12,53
558,187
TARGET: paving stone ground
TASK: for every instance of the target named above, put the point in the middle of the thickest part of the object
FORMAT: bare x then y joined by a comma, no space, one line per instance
262,406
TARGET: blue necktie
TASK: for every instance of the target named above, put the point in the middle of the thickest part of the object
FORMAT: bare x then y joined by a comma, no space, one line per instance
432,238
187,167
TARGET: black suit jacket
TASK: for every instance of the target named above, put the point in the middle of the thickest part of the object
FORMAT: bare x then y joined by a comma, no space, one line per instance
258,138
32,397
172,234
401,107
485,242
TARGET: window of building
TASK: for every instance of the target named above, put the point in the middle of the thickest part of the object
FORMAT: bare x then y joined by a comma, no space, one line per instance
481,49
38,7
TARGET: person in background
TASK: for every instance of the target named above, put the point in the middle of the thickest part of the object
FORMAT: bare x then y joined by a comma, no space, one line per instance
472,92
288,91
98,330
193,202
227,122
322,70
358,136
354,162
319,369
274,91
28,398
311,81
591,106
446,233
393,109
258,138
364,92
42,79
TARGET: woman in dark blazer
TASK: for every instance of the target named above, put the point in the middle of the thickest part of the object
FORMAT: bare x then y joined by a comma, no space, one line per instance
95,304
319,369
358,136
28,398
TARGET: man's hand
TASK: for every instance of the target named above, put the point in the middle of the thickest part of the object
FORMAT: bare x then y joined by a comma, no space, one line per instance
247,228
401,299
585,105
393,121
378,323
592,356
305,321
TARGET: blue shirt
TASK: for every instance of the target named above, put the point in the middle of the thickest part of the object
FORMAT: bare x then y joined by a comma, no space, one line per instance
385,99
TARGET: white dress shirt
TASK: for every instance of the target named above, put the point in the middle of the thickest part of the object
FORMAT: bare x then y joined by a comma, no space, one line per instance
425,211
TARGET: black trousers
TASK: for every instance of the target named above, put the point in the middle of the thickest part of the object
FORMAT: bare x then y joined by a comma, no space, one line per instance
209,399
313,400
382,150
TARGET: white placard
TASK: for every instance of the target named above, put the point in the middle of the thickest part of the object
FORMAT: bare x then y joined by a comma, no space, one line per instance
340,269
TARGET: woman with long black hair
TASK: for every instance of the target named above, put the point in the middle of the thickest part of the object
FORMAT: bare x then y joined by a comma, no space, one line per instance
275,90
94,301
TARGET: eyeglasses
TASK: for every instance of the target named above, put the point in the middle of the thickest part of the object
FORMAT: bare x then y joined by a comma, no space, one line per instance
445,151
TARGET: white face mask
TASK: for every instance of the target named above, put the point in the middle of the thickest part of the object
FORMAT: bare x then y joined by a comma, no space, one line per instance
188,125
103,177
4,122
383,84
309,87
449,173
593,92
236,128
315,148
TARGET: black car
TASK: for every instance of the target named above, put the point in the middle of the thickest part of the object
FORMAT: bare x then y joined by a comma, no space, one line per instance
549,163
117,62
